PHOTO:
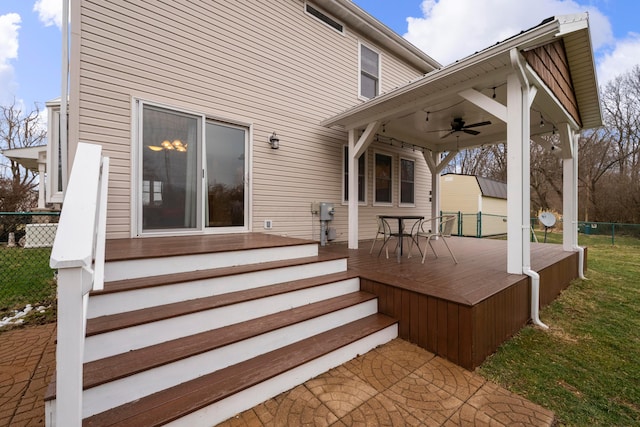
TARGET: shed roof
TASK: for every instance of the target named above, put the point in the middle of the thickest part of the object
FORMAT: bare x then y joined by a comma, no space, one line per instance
492,188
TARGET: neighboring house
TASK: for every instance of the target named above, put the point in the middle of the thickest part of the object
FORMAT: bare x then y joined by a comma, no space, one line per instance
480,203
35,160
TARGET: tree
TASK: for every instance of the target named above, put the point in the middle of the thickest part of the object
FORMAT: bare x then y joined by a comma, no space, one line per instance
18,130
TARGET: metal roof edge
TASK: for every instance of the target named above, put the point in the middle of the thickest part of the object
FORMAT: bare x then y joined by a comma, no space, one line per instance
364,22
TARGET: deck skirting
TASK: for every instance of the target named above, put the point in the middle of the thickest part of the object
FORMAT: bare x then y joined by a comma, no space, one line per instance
468,334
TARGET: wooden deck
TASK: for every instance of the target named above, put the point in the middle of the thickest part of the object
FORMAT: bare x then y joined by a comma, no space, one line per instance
464,311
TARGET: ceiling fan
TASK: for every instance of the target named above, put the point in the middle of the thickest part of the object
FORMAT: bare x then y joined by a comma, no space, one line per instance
457,125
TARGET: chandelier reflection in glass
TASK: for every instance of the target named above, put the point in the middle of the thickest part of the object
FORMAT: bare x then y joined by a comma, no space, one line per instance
176,145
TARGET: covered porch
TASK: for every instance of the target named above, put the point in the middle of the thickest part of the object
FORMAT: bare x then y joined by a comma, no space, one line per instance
538,86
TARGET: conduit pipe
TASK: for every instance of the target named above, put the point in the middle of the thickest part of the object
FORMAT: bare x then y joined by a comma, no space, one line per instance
535,297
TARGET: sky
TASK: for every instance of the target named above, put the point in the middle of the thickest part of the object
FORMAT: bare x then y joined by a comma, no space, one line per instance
447,30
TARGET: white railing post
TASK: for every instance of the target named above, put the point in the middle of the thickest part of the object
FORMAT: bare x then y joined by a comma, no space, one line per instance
77,250
72,284
101,228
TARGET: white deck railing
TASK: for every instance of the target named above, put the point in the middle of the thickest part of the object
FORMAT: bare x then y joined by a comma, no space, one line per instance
78,255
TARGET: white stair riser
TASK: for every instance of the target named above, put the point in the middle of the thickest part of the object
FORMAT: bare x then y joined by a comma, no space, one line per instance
120,302
246,399
106,396
131,269
121,341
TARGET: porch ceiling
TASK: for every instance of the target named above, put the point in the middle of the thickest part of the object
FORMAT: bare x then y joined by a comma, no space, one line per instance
421,112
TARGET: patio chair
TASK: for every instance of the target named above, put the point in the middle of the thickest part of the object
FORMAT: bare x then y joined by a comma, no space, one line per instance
439,228
384,230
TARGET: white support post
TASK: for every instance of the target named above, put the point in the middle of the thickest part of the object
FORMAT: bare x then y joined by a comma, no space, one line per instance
515,196
353,191
435,189
569,189
42,168
72,284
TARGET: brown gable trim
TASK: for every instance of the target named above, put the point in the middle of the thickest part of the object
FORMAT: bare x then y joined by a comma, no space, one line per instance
550,63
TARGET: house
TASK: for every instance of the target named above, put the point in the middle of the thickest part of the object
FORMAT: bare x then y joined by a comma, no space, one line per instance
480,203
205,137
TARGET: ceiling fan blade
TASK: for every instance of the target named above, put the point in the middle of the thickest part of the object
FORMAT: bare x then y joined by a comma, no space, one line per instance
470,132
444,136
475,125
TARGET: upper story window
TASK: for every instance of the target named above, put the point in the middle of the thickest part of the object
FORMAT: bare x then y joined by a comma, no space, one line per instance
324,18
361,176
407,182
369,72
383,176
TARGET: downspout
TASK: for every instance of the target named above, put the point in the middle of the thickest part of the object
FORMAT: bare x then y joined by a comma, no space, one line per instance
535,297
580,250
526,269
64,89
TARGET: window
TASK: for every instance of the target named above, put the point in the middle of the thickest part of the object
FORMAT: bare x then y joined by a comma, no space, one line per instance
369,72
407,181
55,172
361,176
324,18
383,176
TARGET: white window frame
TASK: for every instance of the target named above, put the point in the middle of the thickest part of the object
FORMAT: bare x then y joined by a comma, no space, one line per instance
375,166
345,150
52,192
137,181
360,71
400,202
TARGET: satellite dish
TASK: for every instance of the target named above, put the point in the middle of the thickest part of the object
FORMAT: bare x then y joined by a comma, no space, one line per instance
548,220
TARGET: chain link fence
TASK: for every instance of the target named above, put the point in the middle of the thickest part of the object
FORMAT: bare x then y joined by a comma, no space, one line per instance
488,225
26,280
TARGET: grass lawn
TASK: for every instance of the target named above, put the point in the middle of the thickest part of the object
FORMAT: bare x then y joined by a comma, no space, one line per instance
25,278
586,368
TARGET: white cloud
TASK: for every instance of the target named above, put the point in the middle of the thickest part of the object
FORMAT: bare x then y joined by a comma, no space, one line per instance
9,26
49,12
620,59
453,29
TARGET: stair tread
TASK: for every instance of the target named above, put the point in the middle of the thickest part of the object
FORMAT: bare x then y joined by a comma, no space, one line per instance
170,404
166,279
126,364
152,314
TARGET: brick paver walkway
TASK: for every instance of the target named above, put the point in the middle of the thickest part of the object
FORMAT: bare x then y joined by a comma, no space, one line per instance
397,384
27,361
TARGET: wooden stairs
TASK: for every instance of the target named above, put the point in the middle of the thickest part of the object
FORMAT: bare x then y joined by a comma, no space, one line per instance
195,339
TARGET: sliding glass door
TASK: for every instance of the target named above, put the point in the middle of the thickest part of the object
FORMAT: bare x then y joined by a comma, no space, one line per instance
193,177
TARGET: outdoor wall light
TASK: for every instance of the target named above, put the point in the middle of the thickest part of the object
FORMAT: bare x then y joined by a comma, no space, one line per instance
274,141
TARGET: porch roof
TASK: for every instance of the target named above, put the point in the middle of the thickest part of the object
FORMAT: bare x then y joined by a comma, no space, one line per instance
28,157
421,112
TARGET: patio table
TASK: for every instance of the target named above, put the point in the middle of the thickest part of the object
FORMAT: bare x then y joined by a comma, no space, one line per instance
401,232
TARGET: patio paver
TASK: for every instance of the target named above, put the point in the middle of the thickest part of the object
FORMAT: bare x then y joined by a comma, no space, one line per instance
27,362
397,384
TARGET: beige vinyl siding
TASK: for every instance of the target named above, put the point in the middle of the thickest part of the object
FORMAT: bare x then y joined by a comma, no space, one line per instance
268,65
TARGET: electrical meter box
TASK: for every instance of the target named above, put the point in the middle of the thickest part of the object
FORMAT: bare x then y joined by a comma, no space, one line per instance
326,211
